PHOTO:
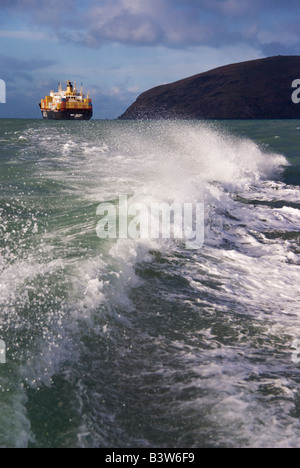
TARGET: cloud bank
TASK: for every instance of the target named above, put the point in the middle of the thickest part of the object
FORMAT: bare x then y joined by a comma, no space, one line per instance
171,23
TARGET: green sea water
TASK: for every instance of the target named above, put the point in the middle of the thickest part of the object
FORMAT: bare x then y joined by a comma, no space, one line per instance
144,342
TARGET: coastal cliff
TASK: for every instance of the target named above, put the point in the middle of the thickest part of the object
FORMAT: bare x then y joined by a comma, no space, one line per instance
256,89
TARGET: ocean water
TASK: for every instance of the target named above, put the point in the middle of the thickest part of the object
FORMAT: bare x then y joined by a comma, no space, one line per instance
145,342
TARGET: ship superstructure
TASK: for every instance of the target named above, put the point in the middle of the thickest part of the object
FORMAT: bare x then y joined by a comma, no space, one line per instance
68,104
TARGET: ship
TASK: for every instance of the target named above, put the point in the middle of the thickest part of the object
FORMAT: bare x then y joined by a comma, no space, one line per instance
67,104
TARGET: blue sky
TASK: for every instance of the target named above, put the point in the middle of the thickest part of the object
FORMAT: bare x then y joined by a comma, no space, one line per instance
120,48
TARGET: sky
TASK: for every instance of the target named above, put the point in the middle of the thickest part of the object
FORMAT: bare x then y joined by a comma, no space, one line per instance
121,48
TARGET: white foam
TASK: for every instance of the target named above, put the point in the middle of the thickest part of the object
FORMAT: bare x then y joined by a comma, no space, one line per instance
240,266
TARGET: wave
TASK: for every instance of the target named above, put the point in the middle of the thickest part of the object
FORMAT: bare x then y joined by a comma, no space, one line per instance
119,334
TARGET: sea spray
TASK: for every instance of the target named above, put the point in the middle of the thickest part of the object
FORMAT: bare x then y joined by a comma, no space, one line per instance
143,342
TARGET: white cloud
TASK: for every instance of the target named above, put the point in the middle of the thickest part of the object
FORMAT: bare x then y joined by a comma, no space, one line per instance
285,37
145,23
134,89
26,35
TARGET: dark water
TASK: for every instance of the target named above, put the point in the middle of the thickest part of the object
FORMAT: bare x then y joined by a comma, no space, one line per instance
146,343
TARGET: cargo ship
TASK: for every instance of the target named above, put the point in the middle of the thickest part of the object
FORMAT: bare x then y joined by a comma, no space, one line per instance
67,104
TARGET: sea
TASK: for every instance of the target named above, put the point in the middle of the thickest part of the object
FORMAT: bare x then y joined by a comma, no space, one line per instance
115,341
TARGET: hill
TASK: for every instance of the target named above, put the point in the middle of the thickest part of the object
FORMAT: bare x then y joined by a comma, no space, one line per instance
256,89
